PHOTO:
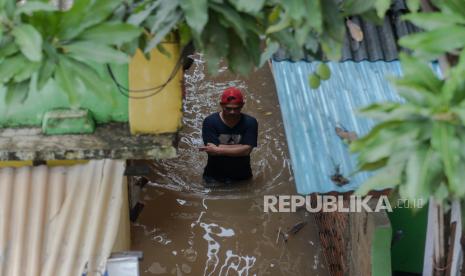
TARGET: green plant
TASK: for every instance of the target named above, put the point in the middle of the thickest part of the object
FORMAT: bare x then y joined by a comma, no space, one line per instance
417,147
39,43
418,144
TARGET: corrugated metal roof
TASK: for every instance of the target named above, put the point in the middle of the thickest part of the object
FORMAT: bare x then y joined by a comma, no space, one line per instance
379,42
57,220
311,115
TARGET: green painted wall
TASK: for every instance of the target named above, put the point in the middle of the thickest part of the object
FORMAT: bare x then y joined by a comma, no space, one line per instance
30,112
380,248
407,253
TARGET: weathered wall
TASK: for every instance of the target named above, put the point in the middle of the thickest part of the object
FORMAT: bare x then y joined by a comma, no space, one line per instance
30,112
356,243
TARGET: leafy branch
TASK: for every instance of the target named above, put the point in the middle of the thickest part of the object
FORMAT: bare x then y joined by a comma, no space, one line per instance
39,43
417,147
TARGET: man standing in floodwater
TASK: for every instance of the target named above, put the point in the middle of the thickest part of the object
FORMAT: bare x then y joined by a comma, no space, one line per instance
229,137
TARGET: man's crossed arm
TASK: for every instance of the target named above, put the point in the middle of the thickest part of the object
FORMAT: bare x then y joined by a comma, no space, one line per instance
227,150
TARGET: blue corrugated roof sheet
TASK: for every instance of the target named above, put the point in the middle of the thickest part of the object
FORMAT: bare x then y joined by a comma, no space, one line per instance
311,115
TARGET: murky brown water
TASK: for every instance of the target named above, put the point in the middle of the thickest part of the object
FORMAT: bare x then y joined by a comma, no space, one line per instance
186,229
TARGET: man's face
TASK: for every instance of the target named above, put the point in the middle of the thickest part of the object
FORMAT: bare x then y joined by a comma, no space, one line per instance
231,111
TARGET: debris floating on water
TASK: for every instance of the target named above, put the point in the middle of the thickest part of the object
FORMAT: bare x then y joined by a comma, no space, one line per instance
279,233
296,228
293,231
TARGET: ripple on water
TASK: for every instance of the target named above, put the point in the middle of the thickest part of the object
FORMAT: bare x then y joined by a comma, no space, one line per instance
218,262
269,161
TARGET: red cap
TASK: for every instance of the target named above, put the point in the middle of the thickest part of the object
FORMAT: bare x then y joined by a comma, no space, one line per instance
232,95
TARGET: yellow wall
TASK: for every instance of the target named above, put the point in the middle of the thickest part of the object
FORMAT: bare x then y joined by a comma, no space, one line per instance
160,113
51,163
15,164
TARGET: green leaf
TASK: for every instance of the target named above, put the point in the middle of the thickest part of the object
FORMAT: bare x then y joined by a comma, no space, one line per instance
419,84
436,42
33,6
92,81
284,23
274,14
9,6
45,73
301,34
441,193
388,177
254,48
413,5
196,12
385,143
47,23
334,29
452,7
11,66
249,6
99,11
270,49
239,61
162,32
165,14
215,35
433,20
448,145
72,18
315,17
93,52
354,7
84,14
312,43
295,9
8,48
360,143
287,41
419,73
419,170
416,93
381,7
137,18
454,85
111,33
26,72
373,165
16,92
29,41
162,50
233,18
65,79
377,149
185,34
332,48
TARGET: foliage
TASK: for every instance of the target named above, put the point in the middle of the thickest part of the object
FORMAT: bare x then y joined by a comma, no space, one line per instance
38,42
418,146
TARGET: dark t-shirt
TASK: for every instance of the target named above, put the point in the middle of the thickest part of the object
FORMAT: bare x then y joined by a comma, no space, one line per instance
216,132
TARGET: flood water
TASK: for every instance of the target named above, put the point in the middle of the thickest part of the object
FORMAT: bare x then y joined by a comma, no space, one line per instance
186,229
